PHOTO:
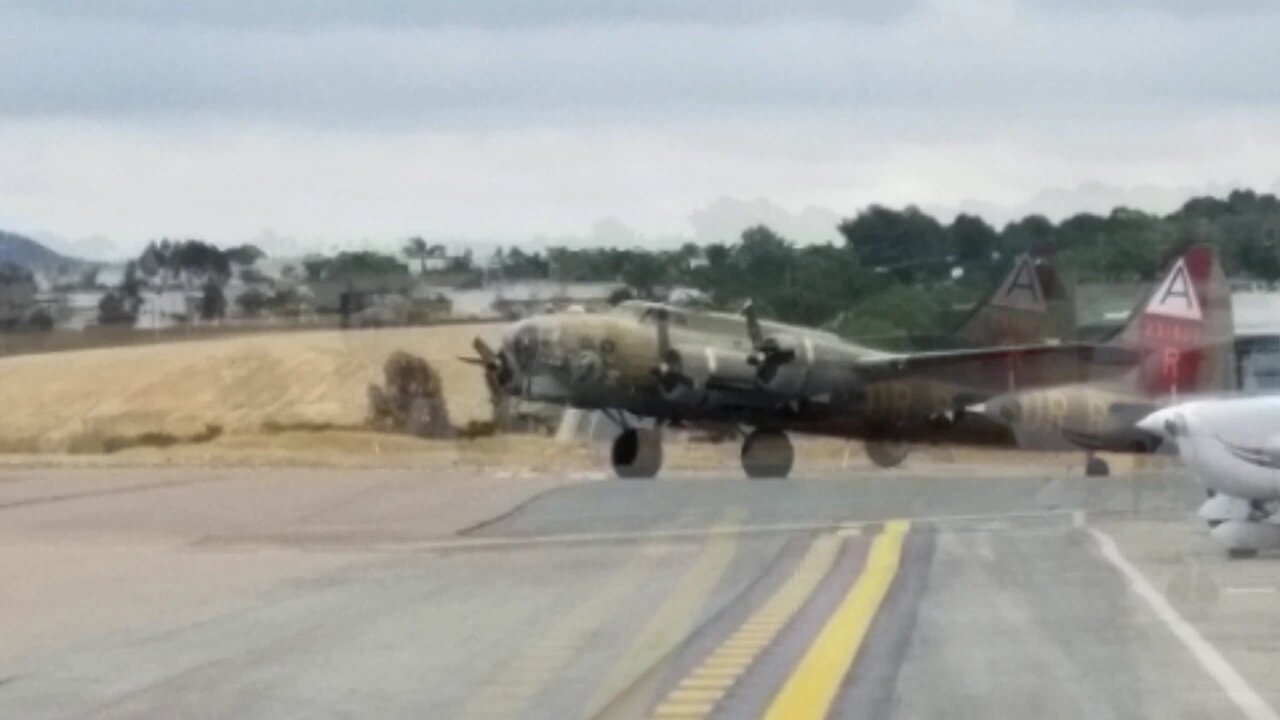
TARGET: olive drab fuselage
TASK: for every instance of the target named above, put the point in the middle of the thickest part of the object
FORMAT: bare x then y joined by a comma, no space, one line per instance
613,360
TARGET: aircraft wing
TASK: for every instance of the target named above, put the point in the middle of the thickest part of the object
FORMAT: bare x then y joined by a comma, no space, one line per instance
991,368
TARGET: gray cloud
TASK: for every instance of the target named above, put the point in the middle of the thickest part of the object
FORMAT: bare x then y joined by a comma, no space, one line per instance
293,15
724,219
434,74
508,120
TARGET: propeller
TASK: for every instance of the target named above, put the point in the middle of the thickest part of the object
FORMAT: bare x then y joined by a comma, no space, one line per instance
670,371
767,355
497,370
670,368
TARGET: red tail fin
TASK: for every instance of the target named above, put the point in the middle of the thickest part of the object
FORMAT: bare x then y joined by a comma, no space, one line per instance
1030,305
1185,329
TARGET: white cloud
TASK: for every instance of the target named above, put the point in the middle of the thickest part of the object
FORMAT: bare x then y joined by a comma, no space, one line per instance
725,218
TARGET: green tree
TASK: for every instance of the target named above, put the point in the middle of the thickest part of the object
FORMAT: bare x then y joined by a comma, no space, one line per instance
245,255
415,248
1035,234
213,302
973,240
908,244
252,302
643,273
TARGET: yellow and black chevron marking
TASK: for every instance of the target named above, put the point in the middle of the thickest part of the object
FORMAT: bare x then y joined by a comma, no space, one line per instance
813,683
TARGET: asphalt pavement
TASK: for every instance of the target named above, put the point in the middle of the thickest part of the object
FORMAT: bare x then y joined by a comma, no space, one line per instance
912,593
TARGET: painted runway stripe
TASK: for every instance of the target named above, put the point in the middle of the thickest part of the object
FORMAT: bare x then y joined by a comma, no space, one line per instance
697,694
763,680
1214,664
508,694
869,689
811,688
676,618
478,543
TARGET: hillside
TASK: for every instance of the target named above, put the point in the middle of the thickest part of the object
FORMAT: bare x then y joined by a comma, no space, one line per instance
80,400
24,251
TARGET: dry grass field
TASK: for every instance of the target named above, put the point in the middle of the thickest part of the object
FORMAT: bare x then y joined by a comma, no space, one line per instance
82,401
300,398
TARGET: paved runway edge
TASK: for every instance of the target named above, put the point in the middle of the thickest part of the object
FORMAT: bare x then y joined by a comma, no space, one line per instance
792,653
637,699
812,686
870,687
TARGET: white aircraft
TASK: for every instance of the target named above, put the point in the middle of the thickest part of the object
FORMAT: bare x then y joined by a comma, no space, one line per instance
1232,447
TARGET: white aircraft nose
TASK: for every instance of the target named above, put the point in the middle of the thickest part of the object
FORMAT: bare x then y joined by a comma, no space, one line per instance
1156,422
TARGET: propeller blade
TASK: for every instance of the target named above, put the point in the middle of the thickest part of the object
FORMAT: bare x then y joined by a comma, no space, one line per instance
472,360
664,332
753,324
486,353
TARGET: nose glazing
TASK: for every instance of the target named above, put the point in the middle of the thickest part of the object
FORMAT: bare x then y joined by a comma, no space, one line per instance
521,344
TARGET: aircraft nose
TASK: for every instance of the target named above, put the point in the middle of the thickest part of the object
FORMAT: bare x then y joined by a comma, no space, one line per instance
1161,423
1005,410
520,343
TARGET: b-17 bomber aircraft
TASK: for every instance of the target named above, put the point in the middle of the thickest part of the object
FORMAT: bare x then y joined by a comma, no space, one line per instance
1183,331
684,367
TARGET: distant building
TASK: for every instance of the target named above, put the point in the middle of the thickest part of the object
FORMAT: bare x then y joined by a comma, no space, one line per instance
521,298
333,296
17,294
167,308
1257,318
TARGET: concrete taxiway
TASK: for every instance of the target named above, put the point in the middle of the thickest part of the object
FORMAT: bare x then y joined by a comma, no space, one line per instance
359,593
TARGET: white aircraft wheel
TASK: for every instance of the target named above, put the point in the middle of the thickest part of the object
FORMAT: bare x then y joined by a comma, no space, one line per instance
887,453
767,453
637,454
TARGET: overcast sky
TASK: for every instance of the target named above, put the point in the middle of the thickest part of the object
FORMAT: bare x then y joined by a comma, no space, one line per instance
310,124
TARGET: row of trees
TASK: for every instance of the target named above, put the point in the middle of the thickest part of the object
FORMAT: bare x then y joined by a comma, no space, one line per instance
184,265
905,271
891,270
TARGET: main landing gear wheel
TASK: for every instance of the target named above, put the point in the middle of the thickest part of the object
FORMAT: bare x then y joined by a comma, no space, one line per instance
887,453
767,454
637,454
1096,467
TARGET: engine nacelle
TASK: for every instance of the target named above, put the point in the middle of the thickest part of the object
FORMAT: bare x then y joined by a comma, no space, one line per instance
682,379
787,380
784,365
683,391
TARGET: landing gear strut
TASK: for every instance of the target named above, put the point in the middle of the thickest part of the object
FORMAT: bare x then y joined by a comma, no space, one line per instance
767,453
887,453
637,454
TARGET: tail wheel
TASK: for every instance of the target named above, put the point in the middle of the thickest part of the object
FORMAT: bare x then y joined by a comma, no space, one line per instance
767,454
637,454
887,453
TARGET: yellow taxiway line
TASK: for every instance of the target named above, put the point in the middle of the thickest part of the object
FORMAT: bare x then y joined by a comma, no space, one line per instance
813,685
678,614
696,696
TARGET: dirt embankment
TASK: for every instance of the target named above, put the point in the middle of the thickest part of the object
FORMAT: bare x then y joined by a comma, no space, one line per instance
222,391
